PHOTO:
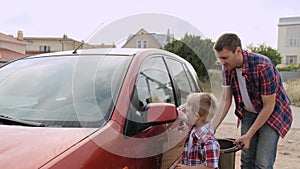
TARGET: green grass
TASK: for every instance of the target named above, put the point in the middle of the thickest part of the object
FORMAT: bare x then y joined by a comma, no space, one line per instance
293,91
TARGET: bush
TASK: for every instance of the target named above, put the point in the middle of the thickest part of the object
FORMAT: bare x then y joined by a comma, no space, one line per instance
289,68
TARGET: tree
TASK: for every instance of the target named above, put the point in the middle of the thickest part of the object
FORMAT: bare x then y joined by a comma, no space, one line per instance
268,51
196,50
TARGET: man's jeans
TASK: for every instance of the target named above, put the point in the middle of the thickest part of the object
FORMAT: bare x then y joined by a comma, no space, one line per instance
263,145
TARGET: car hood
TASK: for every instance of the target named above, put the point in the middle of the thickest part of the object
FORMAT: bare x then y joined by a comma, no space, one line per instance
32,147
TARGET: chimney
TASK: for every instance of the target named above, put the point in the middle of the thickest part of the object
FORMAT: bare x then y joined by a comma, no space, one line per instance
20,35
65,37
168,36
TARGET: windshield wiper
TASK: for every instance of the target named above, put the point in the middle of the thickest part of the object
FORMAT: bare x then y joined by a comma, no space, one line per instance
12,121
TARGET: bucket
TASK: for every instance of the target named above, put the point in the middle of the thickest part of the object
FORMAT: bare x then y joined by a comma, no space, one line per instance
227,153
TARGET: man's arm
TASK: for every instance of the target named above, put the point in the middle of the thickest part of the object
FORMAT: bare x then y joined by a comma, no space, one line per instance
223,107
263,116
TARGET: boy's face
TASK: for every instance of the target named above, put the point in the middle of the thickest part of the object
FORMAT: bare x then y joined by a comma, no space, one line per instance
192,117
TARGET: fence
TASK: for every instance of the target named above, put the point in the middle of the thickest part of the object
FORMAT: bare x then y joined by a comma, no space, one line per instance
287,75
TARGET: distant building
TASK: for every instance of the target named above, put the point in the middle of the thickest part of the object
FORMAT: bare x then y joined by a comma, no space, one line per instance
12,48
144,39
56,44
289,40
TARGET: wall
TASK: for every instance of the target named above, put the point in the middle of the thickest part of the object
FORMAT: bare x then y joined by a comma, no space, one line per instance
55,45
283,49
132,43
287,75
20,48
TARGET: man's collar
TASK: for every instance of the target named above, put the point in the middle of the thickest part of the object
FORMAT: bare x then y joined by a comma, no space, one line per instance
245,64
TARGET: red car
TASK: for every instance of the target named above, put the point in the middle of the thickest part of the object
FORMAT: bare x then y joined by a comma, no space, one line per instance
96,108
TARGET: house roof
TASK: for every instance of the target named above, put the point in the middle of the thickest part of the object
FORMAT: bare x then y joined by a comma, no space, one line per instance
142,31
9,55
9,38
160,39
64,38
289,21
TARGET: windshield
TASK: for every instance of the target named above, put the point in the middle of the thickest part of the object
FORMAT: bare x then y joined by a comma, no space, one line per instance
62,91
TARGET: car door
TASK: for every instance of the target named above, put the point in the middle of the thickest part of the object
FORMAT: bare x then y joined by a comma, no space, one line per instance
153,85
184,84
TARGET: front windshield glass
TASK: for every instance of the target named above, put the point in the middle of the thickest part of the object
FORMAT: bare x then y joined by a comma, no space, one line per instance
62,91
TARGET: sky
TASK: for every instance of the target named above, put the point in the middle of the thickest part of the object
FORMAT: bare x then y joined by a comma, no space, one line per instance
111,21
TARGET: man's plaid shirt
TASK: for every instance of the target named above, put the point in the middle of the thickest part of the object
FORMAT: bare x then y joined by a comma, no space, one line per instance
262,78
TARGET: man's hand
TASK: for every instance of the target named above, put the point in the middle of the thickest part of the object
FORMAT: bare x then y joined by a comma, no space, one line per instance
243,142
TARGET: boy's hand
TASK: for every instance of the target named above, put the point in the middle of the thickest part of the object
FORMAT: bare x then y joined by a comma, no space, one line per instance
183,124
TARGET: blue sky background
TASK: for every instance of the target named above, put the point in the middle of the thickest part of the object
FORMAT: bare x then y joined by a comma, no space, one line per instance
254,20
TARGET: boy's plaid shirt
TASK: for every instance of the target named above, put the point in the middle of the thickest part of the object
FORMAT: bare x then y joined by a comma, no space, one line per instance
205,148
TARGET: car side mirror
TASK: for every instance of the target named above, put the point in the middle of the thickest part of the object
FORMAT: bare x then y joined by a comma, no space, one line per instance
153,114
160,113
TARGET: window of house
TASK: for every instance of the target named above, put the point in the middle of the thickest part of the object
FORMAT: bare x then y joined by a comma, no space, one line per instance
293,42
139,44
145,44
291,60
45,49
293,36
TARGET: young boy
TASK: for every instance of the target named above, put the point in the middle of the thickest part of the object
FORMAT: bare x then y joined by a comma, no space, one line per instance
201,149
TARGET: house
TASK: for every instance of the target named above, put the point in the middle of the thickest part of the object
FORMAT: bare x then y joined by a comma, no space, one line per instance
56,44
289,40
51,44
12,48
144,39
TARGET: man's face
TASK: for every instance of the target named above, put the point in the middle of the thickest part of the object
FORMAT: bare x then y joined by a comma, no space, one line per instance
229,59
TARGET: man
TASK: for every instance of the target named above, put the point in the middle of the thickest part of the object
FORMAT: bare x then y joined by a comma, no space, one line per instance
262,104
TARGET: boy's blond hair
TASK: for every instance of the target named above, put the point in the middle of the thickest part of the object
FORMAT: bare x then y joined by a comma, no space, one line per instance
203,104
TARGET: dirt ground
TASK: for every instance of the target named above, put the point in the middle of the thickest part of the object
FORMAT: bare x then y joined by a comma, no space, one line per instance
288,152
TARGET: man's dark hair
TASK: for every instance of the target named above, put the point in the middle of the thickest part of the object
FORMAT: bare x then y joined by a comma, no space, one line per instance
229,41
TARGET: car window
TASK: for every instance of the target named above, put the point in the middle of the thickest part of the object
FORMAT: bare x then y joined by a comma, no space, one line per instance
181,78
152,85
153,82
62,91
193,78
